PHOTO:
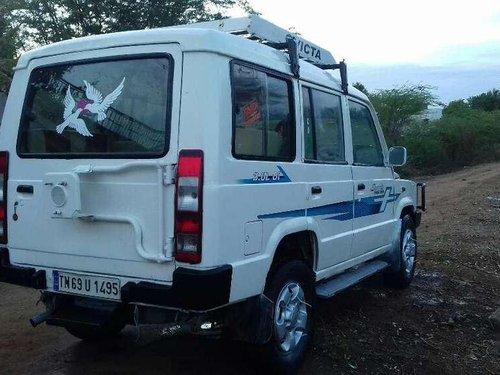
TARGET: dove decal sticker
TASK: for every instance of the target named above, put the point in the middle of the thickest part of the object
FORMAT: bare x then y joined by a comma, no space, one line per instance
94,103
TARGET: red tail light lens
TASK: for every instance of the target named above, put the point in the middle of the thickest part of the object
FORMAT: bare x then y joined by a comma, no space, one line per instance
4,169
188,215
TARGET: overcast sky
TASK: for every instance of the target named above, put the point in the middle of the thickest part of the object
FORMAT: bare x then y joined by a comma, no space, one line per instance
451,44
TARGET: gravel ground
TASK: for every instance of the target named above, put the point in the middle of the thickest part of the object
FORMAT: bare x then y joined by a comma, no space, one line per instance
437,326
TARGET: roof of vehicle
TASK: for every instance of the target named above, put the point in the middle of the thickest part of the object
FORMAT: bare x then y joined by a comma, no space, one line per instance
192,40
257,28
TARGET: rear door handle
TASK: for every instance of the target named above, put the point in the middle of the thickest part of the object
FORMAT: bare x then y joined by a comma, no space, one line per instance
316,190
361,187
26,189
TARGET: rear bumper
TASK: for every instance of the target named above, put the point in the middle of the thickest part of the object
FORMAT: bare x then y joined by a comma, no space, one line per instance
194,290
24,276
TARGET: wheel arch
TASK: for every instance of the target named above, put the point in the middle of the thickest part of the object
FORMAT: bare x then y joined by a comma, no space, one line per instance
405,207
292,239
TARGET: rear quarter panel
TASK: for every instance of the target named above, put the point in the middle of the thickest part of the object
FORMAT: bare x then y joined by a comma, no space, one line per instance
231,199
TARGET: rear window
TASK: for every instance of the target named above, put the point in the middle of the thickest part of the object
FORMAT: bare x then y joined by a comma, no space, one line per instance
112,108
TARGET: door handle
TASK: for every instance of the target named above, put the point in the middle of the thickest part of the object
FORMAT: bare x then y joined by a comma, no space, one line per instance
361,186
316,190
26,189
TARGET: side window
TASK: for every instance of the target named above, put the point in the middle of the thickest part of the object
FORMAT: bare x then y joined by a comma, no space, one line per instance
323,127
264,126
365,142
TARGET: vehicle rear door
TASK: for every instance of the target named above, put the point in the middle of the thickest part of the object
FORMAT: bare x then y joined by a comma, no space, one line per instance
90,187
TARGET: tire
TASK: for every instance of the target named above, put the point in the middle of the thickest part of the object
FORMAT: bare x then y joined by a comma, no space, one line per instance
290,286
407,256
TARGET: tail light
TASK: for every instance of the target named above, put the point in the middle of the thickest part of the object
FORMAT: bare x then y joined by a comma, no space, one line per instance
4,168
189,204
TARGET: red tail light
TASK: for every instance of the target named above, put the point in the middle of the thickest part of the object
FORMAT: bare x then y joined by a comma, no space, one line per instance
4,168
189,201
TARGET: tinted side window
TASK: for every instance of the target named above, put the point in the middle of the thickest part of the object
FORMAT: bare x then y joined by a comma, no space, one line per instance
323,127
365,142
263,115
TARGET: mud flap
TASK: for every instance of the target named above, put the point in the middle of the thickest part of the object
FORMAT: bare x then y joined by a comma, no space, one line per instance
251,321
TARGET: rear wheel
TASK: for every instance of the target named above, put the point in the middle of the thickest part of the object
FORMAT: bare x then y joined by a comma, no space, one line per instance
408,255
292,292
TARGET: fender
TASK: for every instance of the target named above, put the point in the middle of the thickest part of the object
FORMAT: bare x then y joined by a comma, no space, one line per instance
403,202
283,229
257,268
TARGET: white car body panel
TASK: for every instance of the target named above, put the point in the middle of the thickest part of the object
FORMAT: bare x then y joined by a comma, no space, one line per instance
106,247
243,222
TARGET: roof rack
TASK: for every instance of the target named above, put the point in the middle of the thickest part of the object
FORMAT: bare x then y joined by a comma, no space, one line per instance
256,28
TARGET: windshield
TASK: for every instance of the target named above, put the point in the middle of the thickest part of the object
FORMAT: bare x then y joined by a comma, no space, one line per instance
102,108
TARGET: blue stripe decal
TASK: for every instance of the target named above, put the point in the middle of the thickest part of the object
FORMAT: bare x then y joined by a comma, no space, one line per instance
374,205
342,211
285,214
337,211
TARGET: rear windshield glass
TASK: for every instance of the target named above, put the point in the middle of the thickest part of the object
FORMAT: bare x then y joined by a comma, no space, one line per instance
118,107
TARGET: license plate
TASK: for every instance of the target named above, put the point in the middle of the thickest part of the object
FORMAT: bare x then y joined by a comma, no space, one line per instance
87,285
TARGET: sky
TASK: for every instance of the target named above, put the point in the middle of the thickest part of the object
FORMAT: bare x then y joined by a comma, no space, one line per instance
452,45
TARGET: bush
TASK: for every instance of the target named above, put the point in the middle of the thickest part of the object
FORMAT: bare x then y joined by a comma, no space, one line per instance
462,137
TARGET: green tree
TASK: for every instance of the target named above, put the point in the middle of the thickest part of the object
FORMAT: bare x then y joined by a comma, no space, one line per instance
455,107
9,43
397,107
37,22
488,101
361,87
47,21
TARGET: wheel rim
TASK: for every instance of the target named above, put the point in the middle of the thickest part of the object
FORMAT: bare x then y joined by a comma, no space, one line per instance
409,250
290,316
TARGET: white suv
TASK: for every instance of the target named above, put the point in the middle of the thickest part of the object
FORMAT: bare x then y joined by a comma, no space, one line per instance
196,178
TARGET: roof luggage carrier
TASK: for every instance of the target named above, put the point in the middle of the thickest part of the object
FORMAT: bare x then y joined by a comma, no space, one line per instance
256,28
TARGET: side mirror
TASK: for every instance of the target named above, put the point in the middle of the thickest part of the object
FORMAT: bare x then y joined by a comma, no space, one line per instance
397,156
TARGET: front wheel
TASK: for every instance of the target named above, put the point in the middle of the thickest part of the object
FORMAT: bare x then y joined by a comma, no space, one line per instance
407,255
292,292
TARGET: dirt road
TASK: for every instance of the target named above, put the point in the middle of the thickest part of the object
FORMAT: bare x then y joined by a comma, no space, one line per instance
437,326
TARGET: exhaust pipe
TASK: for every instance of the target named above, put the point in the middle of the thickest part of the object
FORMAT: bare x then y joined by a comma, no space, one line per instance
40,318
